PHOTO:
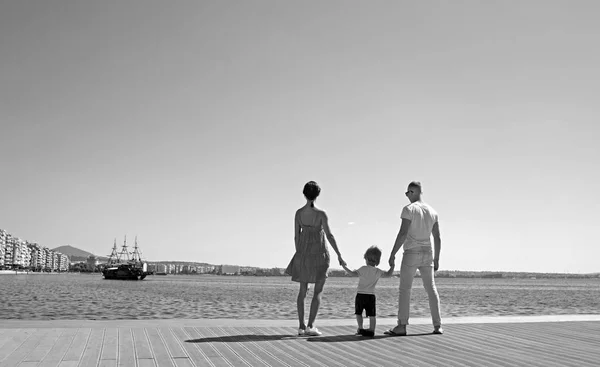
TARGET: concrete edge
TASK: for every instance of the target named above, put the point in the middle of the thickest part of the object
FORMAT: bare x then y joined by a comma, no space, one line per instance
38,324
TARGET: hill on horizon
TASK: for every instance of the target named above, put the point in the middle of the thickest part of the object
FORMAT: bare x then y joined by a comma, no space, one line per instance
76,254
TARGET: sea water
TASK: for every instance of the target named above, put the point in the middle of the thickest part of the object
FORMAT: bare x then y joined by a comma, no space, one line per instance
89,296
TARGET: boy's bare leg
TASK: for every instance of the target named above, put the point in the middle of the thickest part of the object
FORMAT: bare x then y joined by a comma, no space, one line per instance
372,323
359,321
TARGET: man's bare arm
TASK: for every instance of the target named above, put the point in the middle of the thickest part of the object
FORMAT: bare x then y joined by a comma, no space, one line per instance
401,236
437,245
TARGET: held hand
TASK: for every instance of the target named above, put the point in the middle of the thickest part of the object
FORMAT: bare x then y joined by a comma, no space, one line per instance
392,261
341,261
436,265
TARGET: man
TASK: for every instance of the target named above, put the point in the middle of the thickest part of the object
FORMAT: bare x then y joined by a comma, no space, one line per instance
419,222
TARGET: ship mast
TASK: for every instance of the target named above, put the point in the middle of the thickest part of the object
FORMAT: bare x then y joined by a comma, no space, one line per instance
113,258
136,256
124,254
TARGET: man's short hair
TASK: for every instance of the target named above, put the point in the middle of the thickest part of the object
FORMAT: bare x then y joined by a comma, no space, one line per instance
415,184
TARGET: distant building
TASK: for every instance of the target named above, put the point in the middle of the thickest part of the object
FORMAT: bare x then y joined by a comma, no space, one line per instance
247,270
229,269
3,235
277,271
92,262
63,262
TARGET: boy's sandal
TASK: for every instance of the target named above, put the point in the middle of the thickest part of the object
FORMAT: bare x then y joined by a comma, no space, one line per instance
365,332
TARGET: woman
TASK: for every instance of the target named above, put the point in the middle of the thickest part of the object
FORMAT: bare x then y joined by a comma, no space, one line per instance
311,260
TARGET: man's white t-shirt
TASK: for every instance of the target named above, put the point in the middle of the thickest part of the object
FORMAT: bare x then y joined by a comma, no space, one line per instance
422,217
367,278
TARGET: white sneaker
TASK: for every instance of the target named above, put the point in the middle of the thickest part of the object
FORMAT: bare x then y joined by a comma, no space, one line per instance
313,331
301,332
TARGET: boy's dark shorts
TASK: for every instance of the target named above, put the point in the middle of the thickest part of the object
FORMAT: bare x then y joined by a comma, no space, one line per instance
365,302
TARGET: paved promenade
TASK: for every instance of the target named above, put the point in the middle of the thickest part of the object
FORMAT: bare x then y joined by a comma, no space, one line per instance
478,341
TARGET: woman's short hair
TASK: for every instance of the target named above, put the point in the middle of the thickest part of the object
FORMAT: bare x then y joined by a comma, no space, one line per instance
373,255
311,190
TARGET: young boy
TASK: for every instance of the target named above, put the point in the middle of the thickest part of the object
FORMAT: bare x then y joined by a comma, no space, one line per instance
365,294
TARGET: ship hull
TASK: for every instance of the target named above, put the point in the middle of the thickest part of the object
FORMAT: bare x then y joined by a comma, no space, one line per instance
125,272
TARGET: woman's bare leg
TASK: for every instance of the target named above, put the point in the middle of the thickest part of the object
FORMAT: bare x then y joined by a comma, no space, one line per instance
316,302
300,304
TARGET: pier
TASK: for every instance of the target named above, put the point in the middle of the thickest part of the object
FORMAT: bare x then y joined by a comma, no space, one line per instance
570,340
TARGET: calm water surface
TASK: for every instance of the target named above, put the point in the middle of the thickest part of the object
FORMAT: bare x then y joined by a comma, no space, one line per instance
84,296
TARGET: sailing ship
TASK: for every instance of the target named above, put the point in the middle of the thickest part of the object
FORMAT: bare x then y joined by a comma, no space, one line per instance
121,266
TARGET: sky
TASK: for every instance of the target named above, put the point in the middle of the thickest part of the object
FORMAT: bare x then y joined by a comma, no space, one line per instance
195,125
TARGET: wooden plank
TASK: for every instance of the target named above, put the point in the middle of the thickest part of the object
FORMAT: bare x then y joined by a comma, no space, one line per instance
159,349
252,343
56,354
183,362
29,364
293,347
108,363
126,347
447,345
14,342
45,346
7,335
146,363
531,344
208,348
234,354
75,350
91,353
23,348
545,350
196,355
110,345
173,346
502,347
141,344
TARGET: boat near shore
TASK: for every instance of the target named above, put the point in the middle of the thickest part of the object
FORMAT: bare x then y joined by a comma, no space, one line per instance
13,272
120,266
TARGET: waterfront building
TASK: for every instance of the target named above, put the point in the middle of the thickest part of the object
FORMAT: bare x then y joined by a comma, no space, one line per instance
229,269
8,251
161,268
25,261
248,270
3,235
38,257
13,252
17,253
51,260
63,262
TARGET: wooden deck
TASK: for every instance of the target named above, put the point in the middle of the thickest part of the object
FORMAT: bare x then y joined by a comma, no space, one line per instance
239,343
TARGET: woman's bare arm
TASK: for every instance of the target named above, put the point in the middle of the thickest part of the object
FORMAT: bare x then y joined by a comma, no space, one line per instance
296,229
329,235
349,271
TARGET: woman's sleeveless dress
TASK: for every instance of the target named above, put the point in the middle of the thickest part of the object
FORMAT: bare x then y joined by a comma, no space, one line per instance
311,260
